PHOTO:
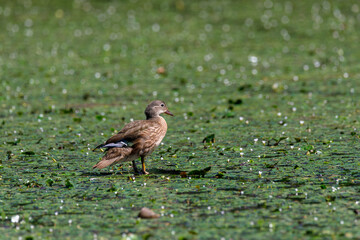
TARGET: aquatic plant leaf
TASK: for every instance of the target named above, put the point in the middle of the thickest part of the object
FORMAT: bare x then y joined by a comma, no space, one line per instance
199,173
209,139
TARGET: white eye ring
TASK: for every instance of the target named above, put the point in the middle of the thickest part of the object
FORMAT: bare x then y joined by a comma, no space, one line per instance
162,105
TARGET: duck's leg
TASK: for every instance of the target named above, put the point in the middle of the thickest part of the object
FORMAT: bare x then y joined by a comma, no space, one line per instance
143,166
135,167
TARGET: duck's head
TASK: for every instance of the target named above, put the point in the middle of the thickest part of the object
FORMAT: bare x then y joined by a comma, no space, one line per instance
155,108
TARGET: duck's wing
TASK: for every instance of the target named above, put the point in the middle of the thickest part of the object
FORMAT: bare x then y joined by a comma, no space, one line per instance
120,144
131,132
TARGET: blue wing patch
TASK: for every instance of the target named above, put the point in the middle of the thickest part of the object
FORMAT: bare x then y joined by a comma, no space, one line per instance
117,144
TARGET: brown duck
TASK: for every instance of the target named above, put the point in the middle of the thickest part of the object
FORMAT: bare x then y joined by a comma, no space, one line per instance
137,139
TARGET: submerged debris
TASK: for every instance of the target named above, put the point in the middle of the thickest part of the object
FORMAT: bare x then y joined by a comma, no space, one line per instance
161,70
147,213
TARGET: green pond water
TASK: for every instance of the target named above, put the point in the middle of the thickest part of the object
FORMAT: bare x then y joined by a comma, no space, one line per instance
272,87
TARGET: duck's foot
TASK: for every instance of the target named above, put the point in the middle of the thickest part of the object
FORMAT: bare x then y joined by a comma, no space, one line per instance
141,173
136,170
144,172
143,166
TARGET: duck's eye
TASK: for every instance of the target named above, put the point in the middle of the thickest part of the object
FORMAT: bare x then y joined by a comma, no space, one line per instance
162,105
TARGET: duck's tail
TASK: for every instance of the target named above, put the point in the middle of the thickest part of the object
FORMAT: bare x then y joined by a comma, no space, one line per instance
113,156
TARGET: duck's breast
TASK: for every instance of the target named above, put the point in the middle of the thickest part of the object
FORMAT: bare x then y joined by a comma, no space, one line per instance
161,131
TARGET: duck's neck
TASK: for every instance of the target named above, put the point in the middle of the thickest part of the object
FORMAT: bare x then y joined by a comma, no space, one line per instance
158,119
155,118
152,117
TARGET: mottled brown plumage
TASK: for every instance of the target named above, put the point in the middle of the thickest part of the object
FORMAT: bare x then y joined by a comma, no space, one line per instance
137,139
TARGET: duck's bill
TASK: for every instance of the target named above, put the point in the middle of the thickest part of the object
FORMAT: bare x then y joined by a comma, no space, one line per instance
168,113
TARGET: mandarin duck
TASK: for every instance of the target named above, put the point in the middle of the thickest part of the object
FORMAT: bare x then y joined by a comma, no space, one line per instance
137,139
